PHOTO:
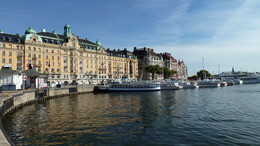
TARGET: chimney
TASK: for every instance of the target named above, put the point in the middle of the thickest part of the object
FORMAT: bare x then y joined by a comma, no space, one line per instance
86,39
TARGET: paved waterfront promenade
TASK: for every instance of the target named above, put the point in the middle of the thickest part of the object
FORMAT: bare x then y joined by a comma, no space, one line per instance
13,100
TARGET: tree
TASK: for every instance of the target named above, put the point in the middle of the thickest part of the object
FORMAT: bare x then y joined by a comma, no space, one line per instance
202,74
168,73
154,70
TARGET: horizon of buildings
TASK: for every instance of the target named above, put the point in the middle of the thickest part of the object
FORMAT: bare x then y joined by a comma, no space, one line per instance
69,58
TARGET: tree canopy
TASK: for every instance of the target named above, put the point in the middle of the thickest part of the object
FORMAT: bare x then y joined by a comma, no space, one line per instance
202,74
168,73
154,70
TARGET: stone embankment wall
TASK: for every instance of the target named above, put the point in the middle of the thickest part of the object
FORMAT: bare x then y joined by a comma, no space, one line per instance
13,102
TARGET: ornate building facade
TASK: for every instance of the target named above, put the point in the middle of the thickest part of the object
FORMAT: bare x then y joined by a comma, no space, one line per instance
146,57
65,57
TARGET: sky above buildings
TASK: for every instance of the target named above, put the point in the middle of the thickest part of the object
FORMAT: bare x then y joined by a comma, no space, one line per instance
224,33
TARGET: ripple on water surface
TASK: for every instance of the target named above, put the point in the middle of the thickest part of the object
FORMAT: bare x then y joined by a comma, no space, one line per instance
215,116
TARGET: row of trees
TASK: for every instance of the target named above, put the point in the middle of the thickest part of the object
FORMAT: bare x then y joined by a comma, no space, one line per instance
156,69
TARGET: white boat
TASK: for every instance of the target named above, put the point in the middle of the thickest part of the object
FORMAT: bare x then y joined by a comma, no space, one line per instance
208,84
128,86
188,85
170,85
237,81
250,80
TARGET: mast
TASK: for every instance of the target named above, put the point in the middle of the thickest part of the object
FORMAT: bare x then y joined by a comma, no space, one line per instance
203,73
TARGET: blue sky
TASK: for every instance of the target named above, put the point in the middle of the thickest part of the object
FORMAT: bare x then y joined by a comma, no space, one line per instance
224,33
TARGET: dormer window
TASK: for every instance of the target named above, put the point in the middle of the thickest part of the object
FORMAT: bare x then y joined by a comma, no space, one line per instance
46,40
10,39
3,38
19,40
52,41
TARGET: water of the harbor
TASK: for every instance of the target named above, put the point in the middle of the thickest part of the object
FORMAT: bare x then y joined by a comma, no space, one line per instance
209,116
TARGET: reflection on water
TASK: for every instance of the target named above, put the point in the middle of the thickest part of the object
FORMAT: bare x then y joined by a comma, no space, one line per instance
201,116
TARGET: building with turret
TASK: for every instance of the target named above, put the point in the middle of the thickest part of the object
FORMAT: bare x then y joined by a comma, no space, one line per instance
63,57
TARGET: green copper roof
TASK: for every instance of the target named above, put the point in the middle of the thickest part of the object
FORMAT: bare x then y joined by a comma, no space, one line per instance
98,43
67,25
30,30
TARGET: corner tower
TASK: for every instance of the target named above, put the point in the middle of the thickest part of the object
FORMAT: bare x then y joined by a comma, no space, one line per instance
67,30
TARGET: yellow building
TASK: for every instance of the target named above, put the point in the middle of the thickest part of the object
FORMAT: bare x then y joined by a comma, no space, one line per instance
65,58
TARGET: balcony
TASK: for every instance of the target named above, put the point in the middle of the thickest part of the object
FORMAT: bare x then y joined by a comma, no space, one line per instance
19,57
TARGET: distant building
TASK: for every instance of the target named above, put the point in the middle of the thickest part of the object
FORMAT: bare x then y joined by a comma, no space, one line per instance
10,79
146,57
121,64
182,71
172,64
35,79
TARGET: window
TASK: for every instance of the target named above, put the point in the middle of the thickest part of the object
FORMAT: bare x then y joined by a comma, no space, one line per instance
46,56
19,40
34,40
29,48
58,58
10,39
39,49
34,49
65,52
52,63
46,62
3,60
29,55
52,57
58,64
10,46
58,51
21,47
17,47
52,51
39,68
3,45
34,55
3,53
39,56
10,53
46,50
39,62
80,54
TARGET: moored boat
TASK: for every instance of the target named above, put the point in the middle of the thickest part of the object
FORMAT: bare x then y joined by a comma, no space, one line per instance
170,85
128,86
208,84
188,85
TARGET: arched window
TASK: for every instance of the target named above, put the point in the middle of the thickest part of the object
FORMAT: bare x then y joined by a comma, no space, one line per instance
10,39
52,69
47,69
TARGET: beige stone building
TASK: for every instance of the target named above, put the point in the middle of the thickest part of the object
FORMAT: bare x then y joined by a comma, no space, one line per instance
65,58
